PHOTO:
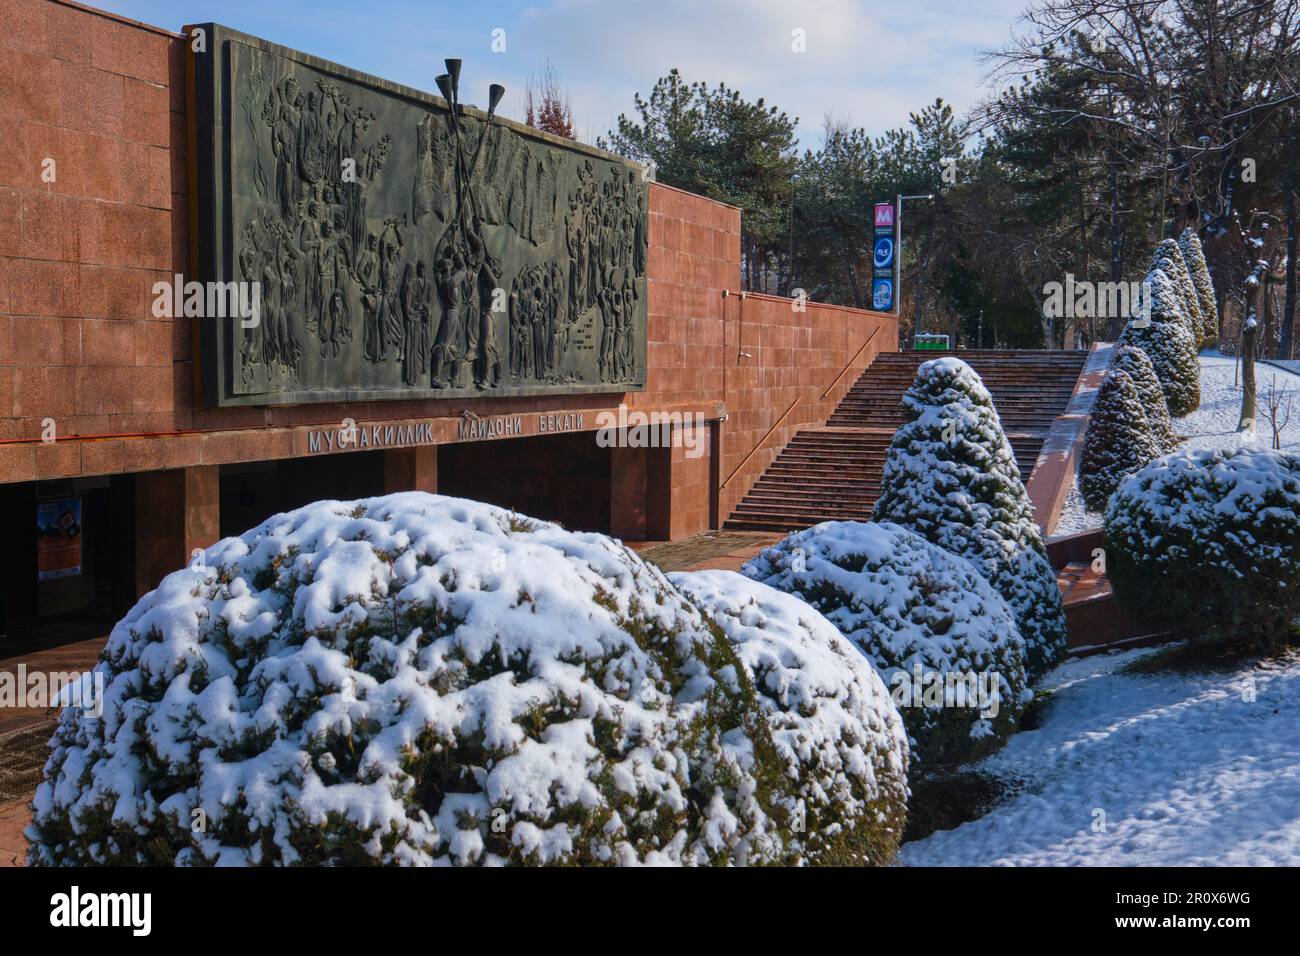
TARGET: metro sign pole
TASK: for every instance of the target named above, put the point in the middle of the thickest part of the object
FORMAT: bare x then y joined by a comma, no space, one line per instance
883,259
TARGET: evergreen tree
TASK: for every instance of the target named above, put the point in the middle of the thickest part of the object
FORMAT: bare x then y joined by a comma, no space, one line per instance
716,143
1169,344
1119,440
951,476
1169,258
1194,256
1134,361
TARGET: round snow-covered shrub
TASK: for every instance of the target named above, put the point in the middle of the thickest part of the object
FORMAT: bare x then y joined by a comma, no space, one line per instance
1207,542
937,632
1170,346
838,734
950,475
1134,361
1194,256
416,679
1118,441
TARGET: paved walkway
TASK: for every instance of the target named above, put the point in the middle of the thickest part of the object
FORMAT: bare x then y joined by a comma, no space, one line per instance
24,732
713,550
14,817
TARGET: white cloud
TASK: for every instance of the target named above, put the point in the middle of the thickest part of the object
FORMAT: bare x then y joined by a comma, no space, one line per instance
871,61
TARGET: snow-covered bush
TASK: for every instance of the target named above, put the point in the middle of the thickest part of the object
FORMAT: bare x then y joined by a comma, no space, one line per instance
1119,440
925,618
1168,259
1134,361
1169,345
839,737
951,476
419,679
1207,542
1194,256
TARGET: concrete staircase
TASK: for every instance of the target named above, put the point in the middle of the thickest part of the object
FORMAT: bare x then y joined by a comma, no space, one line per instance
833,472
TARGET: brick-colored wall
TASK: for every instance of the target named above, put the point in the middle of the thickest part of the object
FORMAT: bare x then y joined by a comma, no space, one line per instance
104,98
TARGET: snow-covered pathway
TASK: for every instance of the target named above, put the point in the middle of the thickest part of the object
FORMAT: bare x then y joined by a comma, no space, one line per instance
1188,770
1213,425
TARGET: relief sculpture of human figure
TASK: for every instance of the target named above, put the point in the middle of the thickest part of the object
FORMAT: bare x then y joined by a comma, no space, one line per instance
368,281
487,368
608,324
517,353
389,320
449,345
415,312
334,321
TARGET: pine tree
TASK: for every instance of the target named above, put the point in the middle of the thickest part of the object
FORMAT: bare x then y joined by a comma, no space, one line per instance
1119,440
1151,396
951,476
1169,258
1194,256
1169,344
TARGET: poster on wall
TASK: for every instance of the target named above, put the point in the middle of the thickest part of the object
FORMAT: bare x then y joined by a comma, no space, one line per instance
58,538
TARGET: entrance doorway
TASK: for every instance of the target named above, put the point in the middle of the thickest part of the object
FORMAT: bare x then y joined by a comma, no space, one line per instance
68,564
253,492
564,478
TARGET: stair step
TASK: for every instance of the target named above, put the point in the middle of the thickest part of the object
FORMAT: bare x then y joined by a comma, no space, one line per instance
836,471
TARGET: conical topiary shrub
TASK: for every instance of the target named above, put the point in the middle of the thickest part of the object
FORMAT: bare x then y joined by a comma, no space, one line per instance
927,621
1169,259
422,680
1170,346
1118,442
1151,396
950,476
1194,256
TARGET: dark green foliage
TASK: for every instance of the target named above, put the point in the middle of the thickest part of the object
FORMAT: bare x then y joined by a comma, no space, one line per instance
1119,440
1207,543
1169,344
1133,360
951,476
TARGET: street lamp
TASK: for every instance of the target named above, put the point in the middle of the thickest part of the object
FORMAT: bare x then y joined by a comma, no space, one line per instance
898,248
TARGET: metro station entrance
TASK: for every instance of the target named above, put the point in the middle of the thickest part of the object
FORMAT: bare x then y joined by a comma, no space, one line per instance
564,478
67,566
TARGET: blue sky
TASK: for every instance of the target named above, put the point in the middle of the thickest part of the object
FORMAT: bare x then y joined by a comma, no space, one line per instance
869,61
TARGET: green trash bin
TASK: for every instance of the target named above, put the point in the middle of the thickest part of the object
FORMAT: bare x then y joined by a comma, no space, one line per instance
929,342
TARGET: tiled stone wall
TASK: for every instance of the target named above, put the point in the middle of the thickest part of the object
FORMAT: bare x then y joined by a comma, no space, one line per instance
104,98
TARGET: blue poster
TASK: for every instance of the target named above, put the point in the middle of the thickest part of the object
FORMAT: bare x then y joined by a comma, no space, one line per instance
58,538
883,253
882,295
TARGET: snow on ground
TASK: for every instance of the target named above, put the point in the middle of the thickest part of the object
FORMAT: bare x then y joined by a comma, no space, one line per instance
1075,516
1290,365
1212,425
1188,769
